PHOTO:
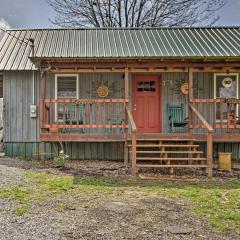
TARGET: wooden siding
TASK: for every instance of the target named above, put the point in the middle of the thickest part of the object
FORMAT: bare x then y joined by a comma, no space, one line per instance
88,85
18,126
96,151
18,97
203,88
75,150
89,82
171,94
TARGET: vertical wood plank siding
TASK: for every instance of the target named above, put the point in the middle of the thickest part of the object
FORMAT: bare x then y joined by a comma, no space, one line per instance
21,132
76,150
18,126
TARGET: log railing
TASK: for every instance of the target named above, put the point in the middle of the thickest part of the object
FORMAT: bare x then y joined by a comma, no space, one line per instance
59,114
134,141
219,113
210,130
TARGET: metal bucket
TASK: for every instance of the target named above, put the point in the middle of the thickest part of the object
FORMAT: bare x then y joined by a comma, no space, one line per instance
224,161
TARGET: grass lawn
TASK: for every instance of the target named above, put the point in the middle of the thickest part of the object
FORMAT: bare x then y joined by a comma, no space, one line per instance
217,200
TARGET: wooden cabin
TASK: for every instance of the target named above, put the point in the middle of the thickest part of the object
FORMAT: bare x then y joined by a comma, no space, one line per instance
153,97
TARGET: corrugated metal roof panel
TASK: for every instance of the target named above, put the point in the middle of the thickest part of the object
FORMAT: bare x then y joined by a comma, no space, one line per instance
114,43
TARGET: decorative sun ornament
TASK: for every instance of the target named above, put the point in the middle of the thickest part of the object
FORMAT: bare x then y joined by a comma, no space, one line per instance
227,82
185,88
103,91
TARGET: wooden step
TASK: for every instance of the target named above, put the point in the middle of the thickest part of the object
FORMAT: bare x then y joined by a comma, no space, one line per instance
170,166
166,145
166,139
173,152
169,159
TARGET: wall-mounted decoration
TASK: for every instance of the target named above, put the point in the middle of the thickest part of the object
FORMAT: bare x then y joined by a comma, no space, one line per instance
184,88
227,82
103,91
167,82
106,86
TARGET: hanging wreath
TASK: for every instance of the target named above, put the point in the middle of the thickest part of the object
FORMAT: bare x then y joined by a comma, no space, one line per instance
103,91
227,82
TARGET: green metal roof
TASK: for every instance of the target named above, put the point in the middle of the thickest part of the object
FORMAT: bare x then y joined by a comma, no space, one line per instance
118,43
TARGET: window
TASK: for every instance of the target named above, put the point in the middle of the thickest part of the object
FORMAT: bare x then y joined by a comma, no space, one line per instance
225,86
146,86
66,86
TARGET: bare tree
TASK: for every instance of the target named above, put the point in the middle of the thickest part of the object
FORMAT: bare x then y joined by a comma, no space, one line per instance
135,13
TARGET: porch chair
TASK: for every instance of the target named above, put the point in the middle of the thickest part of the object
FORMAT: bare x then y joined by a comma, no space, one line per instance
177,120
73,112
116,121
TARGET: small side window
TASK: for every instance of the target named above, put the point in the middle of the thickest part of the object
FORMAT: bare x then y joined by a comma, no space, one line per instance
225,86
66,86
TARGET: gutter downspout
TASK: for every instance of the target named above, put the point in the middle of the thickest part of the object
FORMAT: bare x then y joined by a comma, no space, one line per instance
31,40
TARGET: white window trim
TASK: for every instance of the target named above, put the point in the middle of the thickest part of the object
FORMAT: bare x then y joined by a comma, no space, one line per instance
67,75
56,87
215,87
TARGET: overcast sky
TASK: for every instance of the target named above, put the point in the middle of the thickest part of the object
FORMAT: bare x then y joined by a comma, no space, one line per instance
36,13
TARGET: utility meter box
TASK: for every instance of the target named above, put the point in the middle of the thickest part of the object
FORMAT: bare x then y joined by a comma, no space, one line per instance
33,111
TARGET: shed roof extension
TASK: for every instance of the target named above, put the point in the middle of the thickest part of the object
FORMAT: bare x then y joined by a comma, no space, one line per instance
222,42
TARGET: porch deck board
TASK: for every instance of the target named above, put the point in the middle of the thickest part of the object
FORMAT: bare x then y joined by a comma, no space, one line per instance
78,137
75,137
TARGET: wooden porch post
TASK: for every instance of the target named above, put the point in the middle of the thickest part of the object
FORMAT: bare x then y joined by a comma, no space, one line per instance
41,112
134,153
210,152
190,97
126,83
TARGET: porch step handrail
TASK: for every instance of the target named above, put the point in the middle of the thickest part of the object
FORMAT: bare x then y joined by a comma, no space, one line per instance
201,118
209,137
131,121
134,141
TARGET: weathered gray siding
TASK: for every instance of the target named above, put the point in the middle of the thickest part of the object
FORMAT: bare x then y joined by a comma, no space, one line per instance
22,132
18,96
75,150
89,82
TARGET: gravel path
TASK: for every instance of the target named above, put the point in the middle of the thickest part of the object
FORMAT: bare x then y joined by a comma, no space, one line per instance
10,176
70,217
152,218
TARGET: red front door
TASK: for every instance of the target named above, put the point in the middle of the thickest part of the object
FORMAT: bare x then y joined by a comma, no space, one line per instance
146,103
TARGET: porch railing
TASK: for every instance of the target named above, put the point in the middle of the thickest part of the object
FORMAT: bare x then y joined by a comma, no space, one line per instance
220,113
59,114
195,113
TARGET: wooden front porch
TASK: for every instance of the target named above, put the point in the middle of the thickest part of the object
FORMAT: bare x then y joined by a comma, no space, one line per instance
110,119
